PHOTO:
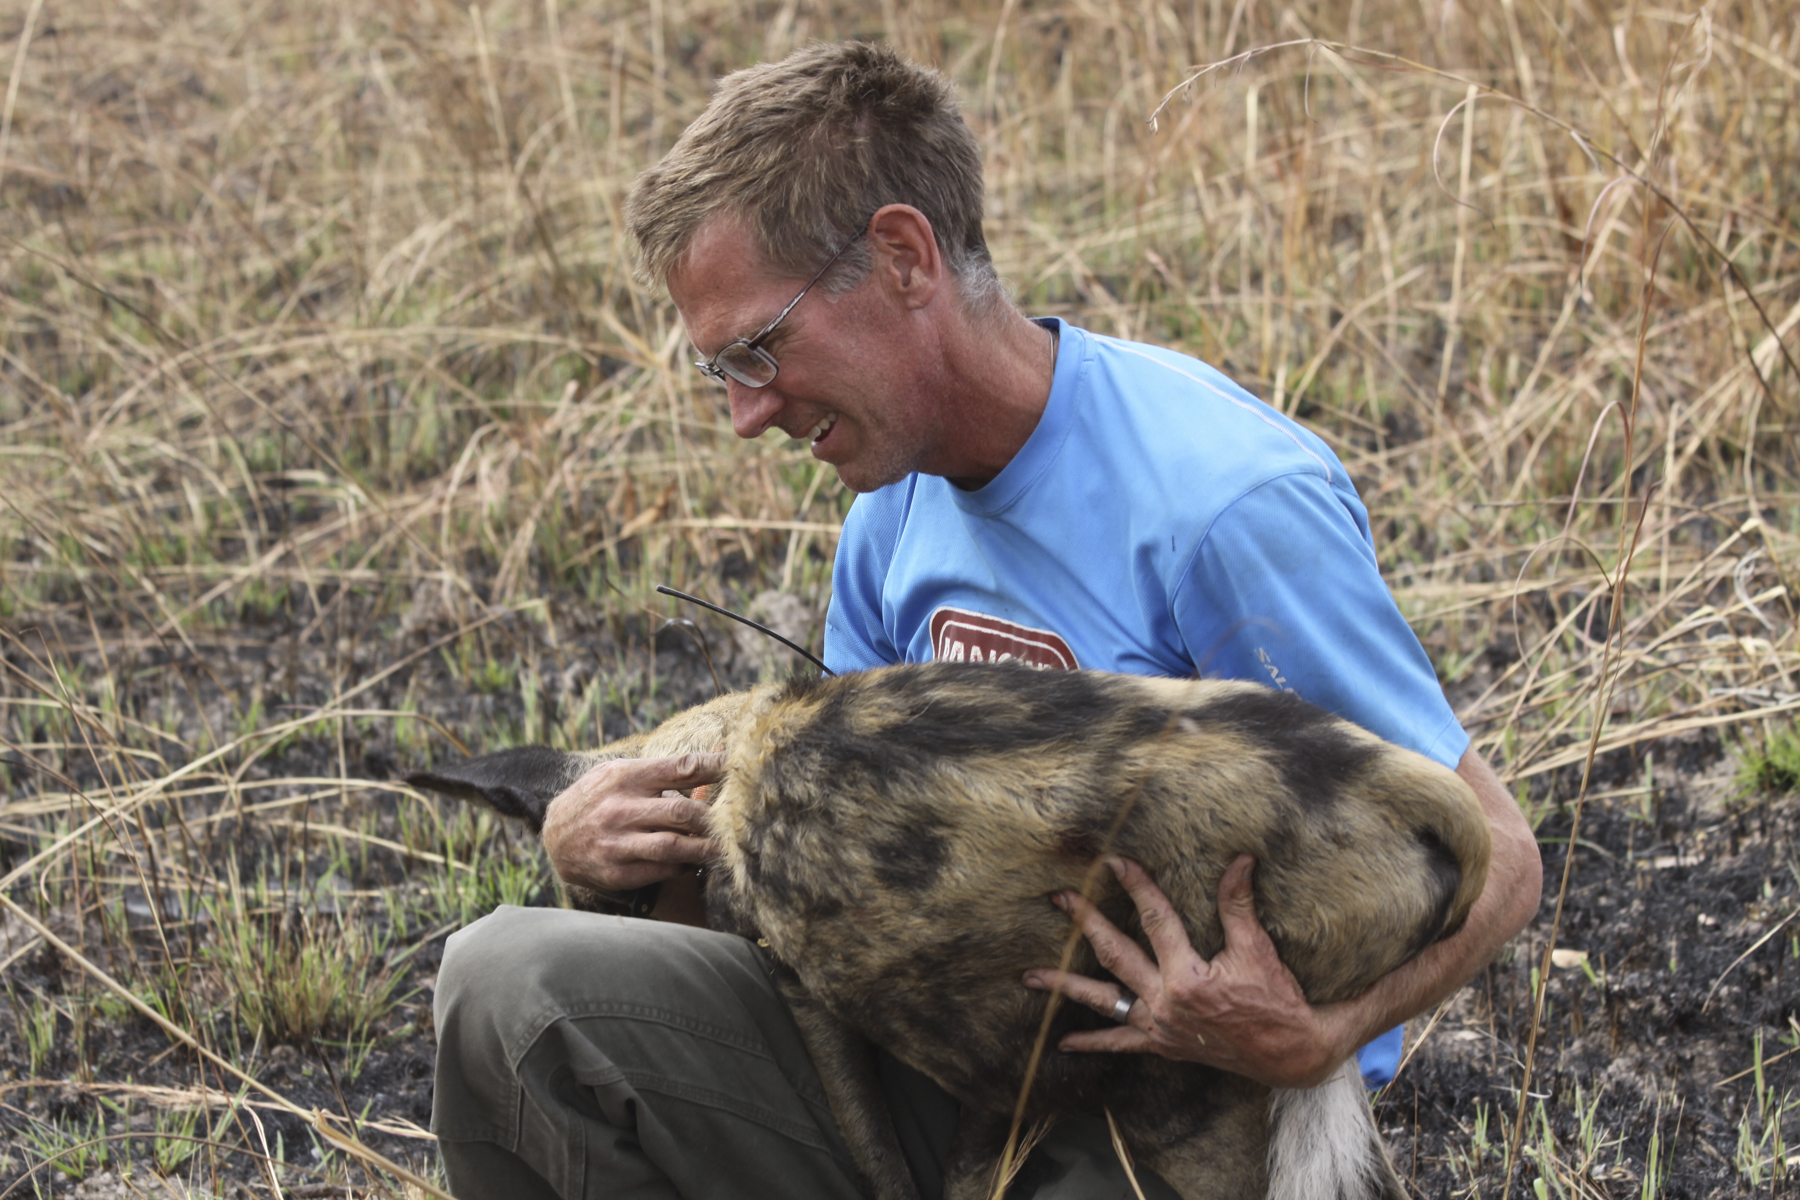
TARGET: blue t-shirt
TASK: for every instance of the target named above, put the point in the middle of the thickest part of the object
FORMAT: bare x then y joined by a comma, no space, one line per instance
1160,520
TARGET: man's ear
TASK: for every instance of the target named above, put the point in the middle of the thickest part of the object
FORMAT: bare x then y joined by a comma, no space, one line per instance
907,264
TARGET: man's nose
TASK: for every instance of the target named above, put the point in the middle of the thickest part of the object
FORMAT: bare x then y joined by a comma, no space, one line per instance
753,410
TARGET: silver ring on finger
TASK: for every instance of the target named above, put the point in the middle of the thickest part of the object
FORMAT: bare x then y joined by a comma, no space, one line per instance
1121,1009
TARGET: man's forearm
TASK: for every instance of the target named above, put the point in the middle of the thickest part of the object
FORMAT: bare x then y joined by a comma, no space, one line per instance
1506,905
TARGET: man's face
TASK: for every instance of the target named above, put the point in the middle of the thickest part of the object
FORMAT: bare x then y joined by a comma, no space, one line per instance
847,383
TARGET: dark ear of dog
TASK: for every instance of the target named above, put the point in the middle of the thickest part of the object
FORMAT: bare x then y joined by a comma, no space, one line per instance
518,783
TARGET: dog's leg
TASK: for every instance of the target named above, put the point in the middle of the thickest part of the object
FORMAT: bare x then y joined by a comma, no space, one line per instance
975,1153
1323,1143
846,1066
1203,1132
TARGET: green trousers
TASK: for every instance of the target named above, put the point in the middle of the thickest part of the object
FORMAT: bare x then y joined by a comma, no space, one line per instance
584,1056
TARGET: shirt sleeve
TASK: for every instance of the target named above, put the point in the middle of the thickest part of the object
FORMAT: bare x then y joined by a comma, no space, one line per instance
1284,588
856,636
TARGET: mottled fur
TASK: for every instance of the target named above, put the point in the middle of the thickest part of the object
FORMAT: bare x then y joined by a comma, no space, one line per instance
893,837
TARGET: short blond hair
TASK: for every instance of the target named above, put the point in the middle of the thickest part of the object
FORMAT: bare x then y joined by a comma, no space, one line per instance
806,150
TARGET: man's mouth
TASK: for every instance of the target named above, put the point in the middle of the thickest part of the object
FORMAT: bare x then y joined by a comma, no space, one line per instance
818,432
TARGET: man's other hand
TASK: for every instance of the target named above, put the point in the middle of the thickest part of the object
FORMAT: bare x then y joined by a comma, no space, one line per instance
1242,1010
625,824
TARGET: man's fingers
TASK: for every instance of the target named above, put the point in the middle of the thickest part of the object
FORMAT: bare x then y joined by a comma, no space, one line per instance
671,812
650,776
1102,997
1116,952
1095,994
644,814
1162,925
1126,1039
1237,904
666,846
692,770
625,823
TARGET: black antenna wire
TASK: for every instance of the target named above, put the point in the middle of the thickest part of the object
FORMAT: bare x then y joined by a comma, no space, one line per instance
802,651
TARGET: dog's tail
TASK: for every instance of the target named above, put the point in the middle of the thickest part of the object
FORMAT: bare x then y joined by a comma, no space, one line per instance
1323,1144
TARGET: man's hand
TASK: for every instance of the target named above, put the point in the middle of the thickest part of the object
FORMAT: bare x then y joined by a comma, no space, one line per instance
625,825
1241,1011
1245,1004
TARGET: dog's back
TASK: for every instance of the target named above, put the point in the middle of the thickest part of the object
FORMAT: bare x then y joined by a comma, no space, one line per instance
895,836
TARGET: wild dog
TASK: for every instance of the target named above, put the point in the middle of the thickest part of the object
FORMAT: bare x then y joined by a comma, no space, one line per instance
894,836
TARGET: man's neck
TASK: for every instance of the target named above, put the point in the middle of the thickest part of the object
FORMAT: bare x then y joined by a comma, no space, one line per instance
999,370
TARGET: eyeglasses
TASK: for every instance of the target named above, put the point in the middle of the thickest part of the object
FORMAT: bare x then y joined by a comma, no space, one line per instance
745,360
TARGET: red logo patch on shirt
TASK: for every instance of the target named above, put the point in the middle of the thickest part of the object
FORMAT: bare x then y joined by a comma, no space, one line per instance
958,635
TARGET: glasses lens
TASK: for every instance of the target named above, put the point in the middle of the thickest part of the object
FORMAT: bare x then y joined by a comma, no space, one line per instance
750,365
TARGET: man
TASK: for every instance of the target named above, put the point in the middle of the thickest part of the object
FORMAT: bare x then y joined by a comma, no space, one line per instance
1031,491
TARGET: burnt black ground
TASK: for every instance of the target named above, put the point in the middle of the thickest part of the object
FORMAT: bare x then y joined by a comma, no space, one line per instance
1669,888
1671,884
469,684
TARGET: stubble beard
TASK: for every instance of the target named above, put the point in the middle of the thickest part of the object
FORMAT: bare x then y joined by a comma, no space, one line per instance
886,459
865,476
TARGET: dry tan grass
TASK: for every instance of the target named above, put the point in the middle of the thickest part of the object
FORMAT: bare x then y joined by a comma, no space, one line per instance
321,309
337,297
